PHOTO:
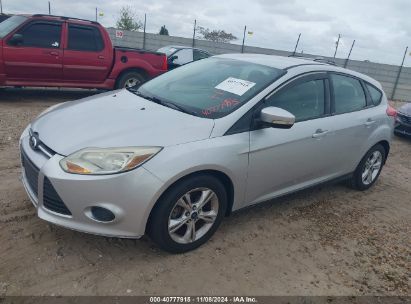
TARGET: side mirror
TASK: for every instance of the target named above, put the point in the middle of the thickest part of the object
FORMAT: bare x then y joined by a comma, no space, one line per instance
172,58
16,39
277,118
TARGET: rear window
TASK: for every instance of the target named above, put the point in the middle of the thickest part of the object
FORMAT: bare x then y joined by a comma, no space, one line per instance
85,38
376,94
167,50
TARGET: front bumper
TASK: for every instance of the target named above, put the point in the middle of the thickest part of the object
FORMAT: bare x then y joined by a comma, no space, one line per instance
403,125
130,196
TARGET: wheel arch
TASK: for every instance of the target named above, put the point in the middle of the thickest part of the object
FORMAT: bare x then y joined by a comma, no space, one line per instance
386,146
139,70
221,176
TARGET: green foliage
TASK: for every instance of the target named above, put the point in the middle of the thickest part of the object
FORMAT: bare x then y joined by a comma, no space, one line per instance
127,20
215,35
164,31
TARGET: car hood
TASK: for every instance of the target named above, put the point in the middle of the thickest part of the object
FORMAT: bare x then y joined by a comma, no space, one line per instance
117,119
405,109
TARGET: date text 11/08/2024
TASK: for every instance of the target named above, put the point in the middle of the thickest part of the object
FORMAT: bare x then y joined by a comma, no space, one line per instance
199,299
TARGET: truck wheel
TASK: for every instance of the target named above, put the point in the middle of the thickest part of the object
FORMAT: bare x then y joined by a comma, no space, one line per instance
130,79
188,214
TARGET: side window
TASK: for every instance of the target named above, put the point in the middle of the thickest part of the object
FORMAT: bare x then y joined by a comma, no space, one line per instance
85,38
376,94
349,95
198,55
305,100
184,56
41,35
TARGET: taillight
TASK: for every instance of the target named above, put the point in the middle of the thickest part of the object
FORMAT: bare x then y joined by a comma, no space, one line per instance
165,66
391,111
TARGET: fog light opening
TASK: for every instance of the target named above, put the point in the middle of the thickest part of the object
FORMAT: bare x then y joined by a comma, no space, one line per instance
102,214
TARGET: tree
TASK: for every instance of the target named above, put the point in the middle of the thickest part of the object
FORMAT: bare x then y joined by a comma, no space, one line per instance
127,20
164,31
215,35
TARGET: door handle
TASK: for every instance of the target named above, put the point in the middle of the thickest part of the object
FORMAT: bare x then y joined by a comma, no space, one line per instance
100,57
54,53
369,122
320,133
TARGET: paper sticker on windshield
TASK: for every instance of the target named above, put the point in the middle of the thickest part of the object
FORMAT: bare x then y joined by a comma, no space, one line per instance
235,86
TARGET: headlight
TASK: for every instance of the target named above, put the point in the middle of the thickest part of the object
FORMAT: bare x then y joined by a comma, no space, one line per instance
108,160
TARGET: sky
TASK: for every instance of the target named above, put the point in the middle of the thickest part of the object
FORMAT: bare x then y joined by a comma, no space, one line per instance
382,29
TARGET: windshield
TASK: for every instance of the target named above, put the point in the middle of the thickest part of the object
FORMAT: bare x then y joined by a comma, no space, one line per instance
168,50
10,24
211,88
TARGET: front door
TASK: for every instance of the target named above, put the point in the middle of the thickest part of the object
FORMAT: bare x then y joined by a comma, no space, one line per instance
282,160
36,55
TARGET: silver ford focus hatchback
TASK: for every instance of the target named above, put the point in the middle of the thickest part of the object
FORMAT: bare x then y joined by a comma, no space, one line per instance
173,157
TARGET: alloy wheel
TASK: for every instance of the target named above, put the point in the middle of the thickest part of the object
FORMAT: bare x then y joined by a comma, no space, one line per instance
193,215
372,167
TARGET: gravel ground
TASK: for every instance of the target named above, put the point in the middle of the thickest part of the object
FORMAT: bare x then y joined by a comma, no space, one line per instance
329,240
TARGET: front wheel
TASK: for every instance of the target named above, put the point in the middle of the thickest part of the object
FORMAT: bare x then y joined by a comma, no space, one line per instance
369,169
188,214
130,79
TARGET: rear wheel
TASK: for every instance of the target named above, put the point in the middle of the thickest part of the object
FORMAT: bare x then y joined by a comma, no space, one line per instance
130,79
369,169
188,214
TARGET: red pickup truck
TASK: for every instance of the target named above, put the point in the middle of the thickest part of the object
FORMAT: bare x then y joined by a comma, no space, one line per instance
55,51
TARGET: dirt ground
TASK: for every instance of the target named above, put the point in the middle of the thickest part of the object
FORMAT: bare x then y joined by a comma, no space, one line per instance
330,240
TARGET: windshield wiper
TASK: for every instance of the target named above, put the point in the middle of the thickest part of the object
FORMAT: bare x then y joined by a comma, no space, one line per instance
163,102
177,107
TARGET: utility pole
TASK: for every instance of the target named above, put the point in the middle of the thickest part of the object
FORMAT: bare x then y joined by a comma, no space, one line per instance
194,31
1,7
349,54
144,33
399,74
336,45
242,47
96,14
296,45
49,8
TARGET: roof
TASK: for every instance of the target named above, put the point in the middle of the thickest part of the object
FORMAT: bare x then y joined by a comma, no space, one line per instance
286,63
64,18
278,62
179,47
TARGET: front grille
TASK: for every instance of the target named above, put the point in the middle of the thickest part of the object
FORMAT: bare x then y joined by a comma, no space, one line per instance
404,118
51,199
31,172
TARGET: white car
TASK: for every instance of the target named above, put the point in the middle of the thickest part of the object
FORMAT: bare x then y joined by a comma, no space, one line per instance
176,155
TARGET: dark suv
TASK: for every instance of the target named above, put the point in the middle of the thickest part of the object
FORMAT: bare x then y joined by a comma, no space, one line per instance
403,121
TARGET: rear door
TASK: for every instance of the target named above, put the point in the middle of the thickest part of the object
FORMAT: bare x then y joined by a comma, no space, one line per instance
352,111
38,55
86,58
282,160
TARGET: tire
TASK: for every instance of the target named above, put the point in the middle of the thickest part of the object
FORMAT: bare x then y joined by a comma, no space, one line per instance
358,181
128,78
169,209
